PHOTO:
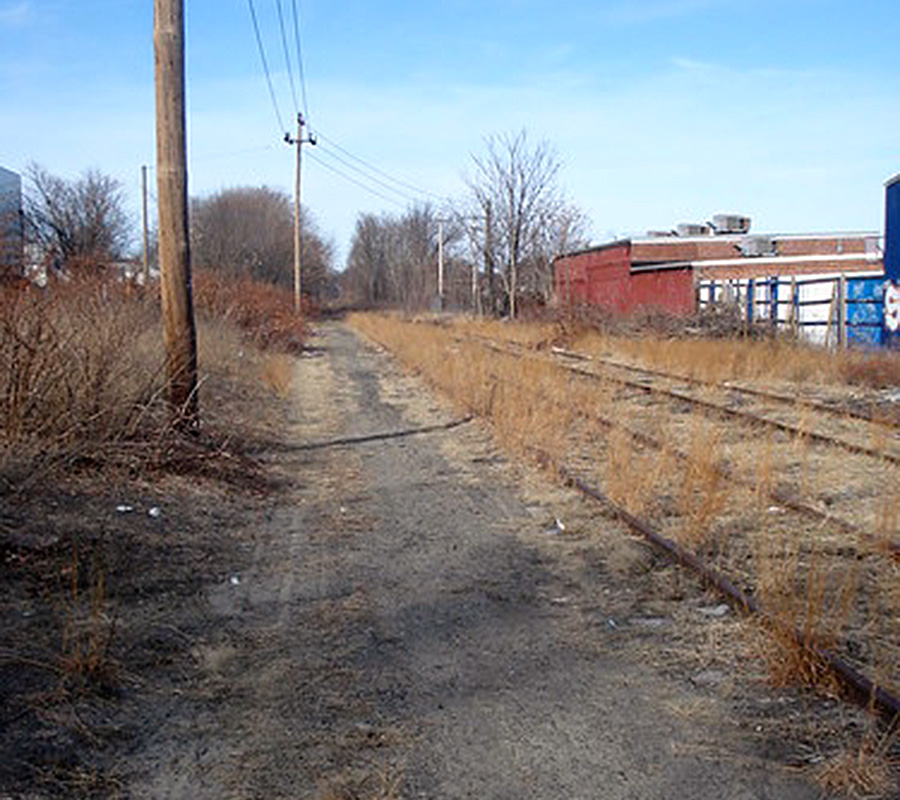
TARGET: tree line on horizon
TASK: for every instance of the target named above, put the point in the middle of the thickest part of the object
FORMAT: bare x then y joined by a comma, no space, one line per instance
498,241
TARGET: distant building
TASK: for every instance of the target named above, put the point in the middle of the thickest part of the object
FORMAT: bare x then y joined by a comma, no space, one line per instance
11,225
664,270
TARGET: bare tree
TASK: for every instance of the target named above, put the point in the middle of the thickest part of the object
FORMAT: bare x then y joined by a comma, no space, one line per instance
248,232
515,189
367,265
393,259
76,223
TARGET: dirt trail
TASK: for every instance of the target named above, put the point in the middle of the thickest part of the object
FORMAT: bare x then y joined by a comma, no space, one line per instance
409,623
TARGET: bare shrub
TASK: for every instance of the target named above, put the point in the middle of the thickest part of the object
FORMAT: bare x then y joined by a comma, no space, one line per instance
264,312
81,366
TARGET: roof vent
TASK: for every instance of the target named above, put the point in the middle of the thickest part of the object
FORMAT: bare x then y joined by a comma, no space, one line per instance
755,246
693,229
730,223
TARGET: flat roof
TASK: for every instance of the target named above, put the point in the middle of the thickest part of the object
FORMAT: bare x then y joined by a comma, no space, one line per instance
721,237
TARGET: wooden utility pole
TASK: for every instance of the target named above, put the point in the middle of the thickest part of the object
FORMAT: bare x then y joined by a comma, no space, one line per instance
145,253
298,219
171,174
489,260
475,309
440,275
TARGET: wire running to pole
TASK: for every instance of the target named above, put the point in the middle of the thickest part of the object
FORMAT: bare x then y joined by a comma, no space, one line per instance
287,57
300,57
410,186
383,184
265,63
353,180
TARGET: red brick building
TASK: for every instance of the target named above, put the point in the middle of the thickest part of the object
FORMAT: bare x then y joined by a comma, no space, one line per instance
661,271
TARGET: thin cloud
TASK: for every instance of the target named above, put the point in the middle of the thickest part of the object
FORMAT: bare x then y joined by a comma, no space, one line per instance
13,15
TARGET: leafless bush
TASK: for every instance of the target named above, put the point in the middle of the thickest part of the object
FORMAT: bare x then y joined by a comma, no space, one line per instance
80,364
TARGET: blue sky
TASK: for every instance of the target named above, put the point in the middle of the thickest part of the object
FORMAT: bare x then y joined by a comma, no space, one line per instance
661,111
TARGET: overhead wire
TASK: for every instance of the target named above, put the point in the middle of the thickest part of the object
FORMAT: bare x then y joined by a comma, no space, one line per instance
350,165
265,63
370,176
353,180
405,184
287,57
299,47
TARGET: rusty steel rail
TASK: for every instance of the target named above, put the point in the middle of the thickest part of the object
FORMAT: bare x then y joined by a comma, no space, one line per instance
745,416
787,500
763,394
863,689
718,408
781,497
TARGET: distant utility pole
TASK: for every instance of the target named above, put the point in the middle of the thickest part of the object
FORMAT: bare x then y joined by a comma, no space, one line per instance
440,275
489,258
298,240
171,175
145,253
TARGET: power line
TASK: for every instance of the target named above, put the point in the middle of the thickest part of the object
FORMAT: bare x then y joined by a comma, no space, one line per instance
262,56
375,169
384,184
287,58
300,57
353,180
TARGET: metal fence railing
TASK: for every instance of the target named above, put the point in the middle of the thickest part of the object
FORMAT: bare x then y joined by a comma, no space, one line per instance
830,309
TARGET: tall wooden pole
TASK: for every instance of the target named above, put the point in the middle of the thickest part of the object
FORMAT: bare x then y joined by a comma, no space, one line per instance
440,274
298,220
171,174
488,260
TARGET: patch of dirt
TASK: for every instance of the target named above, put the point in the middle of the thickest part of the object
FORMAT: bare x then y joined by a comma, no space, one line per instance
398,618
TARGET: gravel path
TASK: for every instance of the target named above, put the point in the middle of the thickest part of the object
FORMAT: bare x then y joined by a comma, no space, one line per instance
409,623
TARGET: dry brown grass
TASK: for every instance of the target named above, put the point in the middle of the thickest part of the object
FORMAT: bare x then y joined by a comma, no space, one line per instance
863,770
80,376
80,362
265,313
808,600
82,400
800,573
703,491
86,621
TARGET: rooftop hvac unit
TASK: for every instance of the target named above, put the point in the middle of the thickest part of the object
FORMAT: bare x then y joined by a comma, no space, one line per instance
659,234
754,246
693,229
730,223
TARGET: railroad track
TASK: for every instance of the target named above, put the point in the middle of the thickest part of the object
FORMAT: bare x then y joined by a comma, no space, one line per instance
746,526
774,494
783,498
841,412
864,690
849,440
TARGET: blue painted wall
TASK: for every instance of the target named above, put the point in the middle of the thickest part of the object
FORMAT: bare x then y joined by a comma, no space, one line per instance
865,311
892,229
